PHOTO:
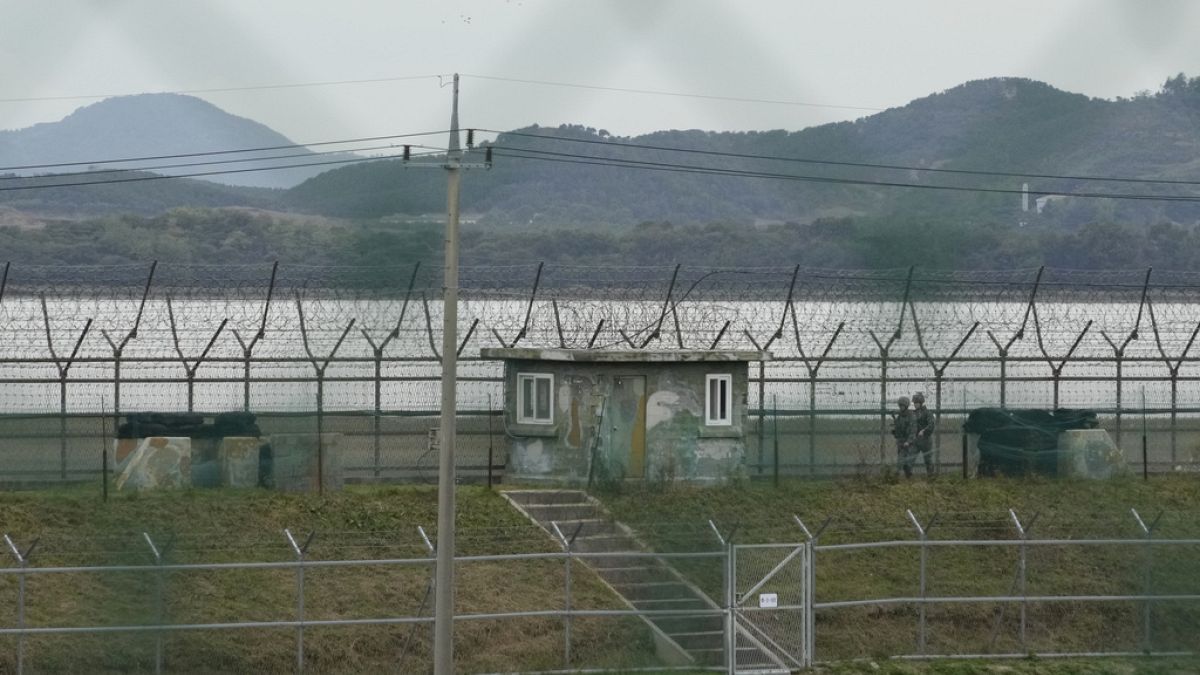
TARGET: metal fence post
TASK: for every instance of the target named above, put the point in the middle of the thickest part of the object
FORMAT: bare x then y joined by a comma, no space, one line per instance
924,534
190,368
730,602
64,367
378,409
1022,571
567,543
319,369
1174,413
299,550
1002,354
883,405
939,372
762,404
762,409
730,581
807,596
813,369
429,591
159,607
808,591
248,347
883,391
812,424
775,434
1056,369
965,457
490,459
1119,357
1147,579
377,352
23,562
1173,370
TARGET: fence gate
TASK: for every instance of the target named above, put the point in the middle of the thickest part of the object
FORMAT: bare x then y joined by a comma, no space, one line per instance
770,595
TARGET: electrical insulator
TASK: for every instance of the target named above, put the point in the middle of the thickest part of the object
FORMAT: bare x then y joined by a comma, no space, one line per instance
407,152
470,138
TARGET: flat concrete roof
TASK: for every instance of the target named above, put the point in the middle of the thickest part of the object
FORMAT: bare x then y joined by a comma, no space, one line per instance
624,356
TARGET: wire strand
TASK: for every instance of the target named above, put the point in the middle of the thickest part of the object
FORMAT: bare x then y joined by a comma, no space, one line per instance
569,158
218,162
210,153
864,165
197,174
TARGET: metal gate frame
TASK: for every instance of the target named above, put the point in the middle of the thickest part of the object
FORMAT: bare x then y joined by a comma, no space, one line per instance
793,654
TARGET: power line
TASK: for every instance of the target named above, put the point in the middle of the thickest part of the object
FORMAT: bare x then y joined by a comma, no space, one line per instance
546,155
865,165
211,153
219,162
142,178
658,92
570,158
549,156
216,90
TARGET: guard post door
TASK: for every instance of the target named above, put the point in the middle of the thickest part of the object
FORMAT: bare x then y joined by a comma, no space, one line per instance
627,425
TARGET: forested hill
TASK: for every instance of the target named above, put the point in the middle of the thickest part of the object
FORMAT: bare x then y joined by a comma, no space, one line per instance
555,175
565,176
156,125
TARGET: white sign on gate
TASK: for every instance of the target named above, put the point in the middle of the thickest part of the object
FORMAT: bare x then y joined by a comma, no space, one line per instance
768,600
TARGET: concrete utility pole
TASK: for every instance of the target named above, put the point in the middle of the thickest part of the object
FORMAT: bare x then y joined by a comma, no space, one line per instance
443,626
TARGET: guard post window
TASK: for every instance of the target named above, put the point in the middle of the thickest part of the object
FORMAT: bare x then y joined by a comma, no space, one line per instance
534,392
717,400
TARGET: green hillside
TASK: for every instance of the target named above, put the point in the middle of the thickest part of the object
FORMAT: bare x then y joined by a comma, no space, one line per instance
1005,125
549,198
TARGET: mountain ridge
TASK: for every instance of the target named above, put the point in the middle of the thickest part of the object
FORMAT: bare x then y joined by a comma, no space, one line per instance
541,175
1009,125
156,125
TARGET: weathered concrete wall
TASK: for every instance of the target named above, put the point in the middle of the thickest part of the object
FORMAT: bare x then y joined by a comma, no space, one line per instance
643,421
559,451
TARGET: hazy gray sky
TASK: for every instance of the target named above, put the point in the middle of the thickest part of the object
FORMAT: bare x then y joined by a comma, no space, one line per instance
843,58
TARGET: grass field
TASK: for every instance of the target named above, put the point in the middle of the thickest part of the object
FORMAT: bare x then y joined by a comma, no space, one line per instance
74,527
222,526
674,518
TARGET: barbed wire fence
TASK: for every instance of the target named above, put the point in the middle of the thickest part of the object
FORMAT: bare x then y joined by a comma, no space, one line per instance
355,350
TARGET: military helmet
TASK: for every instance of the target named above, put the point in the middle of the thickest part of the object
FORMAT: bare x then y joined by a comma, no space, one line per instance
902,401
918,397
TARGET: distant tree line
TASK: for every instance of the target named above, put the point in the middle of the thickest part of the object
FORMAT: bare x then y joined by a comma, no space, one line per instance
236,236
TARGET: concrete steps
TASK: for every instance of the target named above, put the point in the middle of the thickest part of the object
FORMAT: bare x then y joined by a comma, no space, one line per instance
700,640
644,582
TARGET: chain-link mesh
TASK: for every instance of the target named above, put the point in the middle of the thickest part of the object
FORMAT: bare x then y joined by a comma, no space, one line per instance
770,595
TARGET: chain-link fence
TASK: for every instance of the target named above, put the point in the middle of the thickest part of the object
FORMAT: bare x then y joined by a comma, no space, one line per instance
355,351
965,585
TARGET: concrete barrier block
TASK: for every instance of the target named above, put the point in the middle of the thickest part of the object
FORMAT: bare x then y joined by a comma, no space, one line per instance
238,458
158,462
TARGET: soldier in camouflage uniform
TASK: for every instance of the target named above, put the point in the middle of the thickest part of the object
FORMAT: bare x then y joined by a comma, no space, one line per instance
904,428
923,431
